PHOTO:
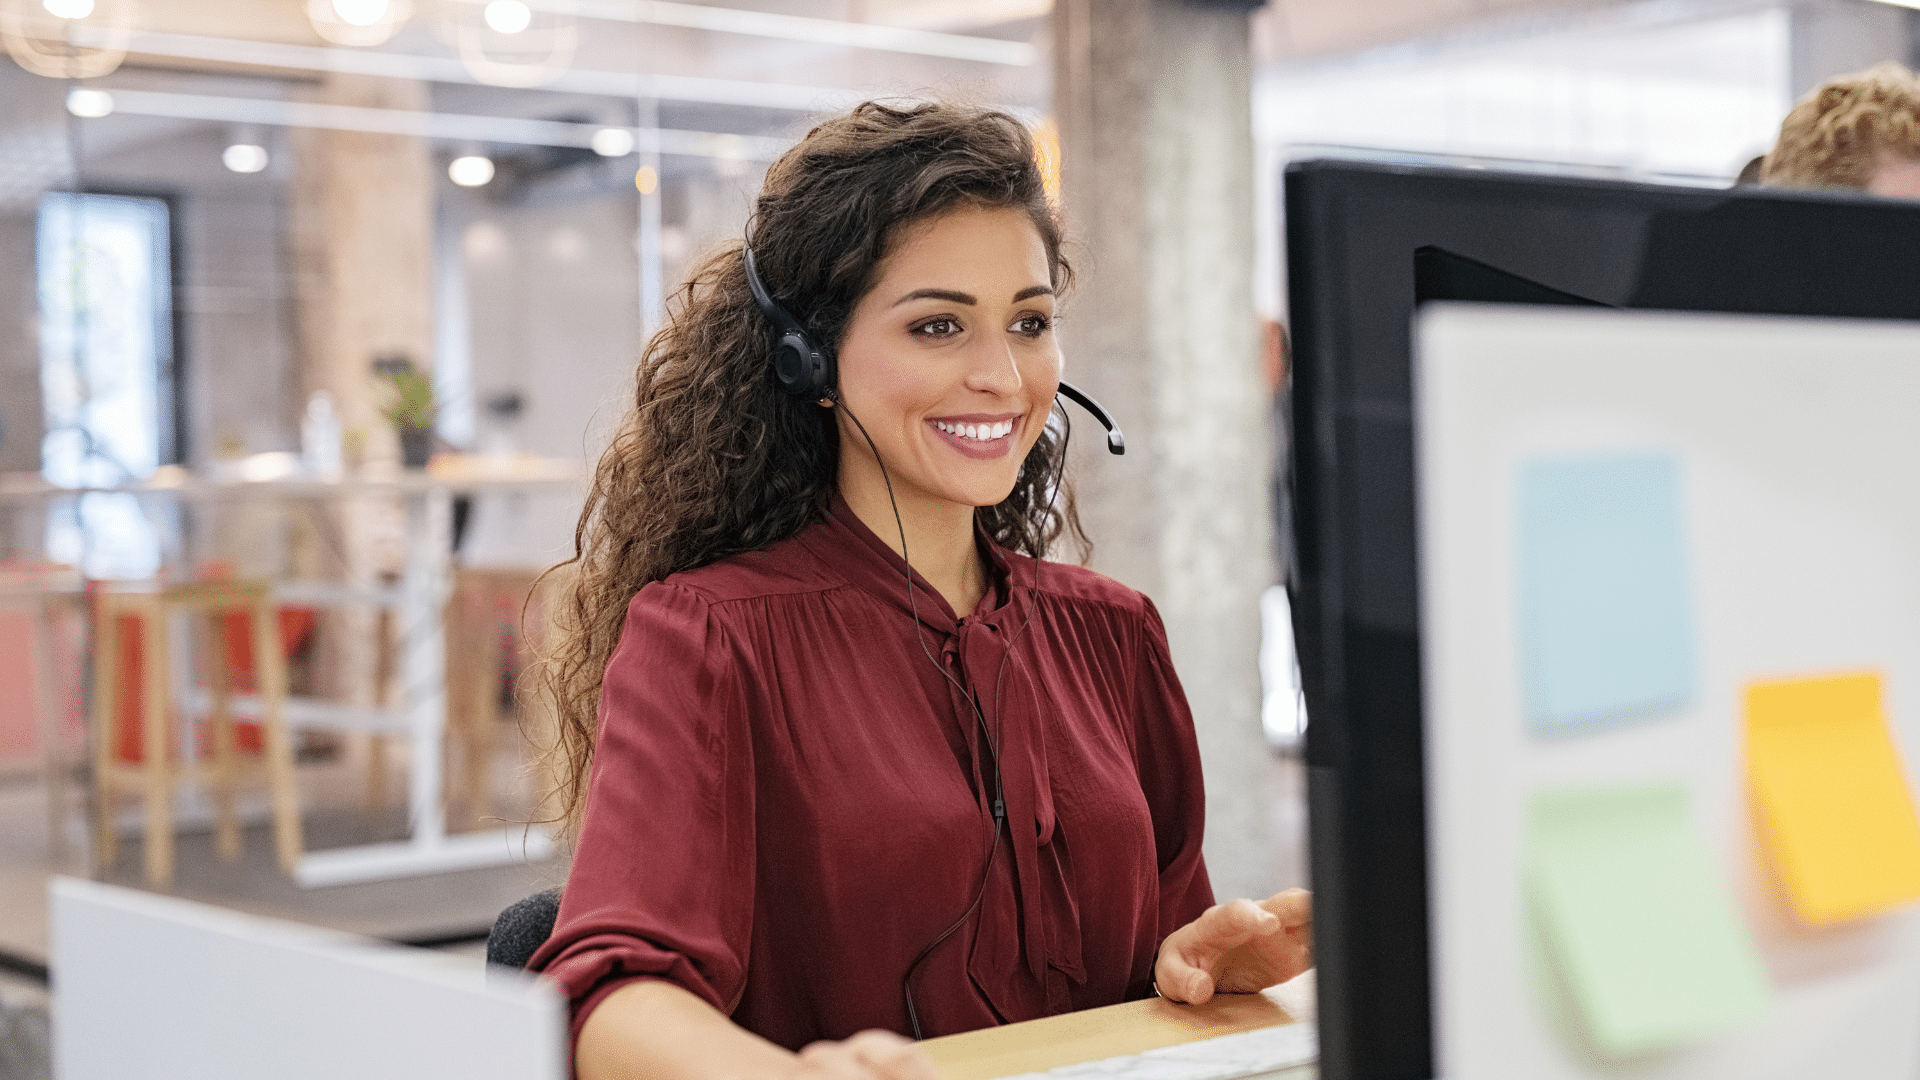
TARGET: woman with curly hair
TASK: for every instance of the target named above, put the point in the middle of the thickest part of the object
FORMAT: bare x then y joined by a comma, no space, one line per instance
844,759
1858,131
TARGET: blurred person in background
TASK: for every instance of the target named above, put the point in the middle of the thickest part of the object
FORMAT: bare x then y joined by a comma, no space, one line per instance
843,757
1859,131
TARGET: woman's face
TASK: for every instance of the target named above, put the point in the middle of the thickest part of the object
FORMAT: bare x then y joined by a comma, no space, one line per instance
950,361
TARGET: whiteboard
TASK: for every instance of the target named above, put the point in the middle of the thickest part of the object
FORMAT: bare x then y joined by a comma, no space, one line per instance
158,988
1798,443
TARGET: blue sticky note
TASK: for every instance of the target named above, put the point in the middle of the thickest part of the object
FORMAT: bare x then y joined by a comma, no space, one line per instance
1605,632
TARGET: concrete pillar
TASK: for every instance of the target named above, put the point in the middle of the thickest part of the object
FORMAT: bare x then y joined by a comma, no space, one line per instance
1837,37
362,253
33,128
1153,100
22,423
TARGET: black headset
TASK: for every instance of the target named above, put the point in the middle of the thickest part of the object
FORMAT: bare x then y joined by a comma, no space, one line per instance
806,371
801,367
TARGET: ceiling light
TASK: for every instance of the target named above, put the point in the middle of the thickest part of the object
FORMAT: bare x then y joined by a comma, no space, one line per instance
613,142
358,22
470,171
68,9
509,16
244,158
360,12
89,103
647,180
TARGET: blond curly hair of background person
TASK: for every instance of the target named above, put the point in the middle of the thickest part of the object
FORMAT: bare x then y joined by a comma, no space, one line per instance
1842,134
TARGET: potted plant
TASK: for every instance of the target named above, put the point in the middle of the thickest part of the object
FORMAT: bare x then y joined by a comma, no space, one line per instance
410,411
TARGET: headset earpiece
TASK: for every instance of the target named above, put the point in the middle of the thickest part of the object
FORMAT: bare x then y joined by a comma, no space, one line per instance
800,366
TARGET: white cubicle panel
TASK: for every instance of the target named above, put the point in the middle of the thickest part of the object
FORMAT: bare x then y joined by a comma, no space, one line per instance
1790,450
153,987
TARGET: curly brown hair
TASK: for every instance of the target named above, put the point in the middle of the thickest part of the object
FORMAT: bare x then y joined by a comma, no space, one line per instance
1838,134
714,459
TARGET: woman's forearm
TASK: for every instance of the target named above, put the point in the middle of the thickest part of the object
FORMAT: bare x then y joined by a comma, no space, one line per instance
661,1031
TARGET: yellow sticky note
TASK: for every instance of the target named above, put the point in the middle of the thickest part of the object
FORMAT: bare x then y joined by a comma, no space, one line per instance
1835,814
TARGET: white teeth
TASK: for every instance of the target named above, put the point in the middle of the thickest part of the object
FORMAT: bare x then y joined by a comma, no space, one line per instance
977,432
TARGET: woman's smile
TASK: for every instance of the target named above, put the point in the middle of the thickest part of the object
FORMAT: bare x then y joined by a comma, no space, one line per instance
978,436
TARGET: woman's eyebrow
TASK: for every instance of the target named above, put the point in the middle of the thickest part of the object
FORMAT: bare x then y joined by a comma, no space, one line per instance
938,294
969,299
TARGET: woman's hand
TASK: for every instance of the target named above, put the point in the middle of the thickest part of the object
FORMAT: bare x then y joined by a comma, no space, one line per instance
870,1055
1237,948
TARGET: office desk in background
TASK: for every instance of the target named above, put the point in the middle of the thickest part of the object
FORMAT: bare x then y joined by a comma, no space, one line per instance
417,601
1128,1028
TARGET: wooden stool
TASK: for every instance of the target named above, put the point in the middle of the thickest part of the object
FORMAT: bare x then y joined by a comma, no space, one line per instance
155,773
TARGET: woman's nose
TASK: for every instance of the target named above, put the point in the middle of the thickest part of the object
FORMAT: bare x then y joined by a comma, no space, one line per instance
995,369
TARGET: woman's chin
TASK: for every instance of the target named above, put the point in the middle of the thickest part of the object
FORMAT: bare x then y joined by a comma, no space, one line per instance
979,496
993,494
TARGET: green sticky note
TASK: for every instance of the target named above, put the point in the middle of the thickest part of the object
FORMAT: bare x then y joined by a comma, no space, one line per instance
1636,921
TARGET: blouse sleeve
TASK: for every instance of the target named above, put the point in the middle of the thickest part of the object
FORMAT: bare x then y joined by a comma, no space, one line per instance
1168,758
663,871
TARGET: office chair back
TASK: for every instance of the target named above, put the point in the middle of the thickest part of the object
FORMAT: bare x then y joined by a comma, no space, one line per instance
521,929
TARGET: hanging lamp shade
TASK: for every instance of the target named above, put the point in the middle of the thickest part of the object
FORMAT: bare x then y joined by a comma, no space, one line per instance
506,43
358,22
73,39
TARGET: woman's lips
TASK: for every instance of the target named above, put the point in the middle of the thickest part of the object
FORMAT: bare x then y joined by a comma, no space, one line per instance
965,435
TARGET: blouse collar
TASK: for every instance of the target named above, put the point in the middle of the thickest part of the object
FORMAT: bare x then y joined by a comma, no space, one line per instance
845,544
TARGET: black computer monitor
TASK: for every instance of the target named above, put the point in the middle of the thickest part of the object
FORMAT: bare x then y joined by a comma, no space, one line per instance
1366,242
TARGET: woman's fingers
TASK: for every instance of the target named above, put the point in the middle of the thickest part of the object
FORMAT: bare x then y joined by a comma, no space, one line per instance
1238,947
1185,968
870,1055
1293,907
891,1056
1223,926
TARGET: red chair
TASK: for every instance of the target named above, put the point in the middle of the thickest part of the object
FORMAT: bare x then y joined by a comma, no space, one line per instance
131,678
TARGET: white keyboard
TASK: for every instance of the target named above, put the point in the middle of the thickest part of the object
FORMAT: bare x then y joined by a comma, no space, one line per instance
1225,1057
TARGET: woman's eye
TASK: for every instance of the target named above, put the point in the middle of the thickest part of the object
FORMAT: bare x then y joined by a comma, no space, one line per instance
1031,325
937,328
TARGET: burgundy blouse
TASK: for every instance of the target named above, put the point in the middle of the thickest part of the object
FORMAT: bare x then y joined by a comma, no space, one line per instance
789,800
